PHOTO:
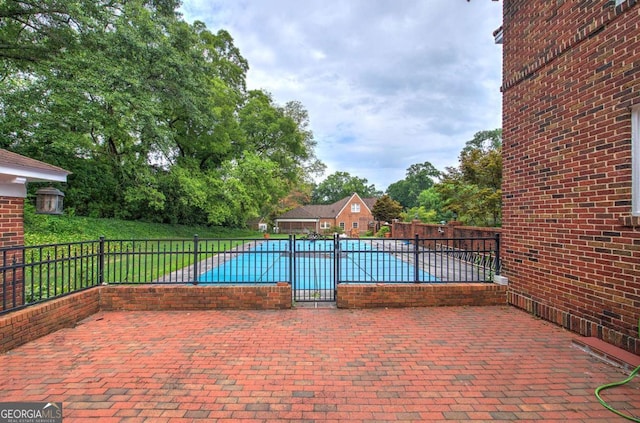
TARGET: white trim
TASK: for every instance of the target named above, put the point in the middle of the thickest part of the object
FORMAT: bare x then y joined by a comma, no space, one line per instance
498,38
635,160
11,186
34,175
296,220
500,280
347,203
10,179
362,203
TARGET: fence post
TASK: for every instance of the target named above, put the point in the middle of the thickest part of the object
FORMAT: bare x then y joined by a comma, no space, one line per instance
3,278
195,259
101,261
13,281
497,254
416,260
23,262
336,262
292,258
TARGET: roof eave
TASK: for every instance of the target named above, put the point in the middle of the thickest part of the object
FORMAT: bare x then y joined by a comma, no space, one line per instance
35,175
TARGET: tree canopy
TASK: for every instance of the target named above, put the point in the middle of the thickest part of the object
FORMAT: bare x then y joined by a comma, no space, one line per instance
419,177
386,209
340,185
149,112
470,192
473,190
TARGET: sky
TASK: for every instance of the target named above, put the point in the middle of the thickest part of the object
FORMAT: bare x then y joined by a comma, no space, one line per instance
387,83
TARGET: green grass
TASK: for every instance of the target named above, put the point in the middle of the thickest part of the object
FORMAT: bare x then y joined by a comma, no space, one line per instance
62,273
44,229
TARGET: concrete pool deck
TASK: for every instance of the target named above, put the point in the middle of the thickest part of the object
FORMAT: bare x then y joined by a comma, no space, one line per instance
307,364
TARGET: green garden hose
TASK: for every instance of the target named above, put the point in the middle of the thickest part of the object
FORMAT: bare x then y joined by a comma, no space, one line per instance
622,382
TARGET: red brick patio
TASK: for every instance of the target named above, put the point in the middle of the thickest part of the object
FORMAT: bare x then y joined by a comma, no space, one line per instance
411,364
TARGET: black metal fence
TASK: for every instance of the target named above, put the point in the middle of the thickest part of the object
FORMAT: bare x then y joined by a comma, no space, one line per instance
314,267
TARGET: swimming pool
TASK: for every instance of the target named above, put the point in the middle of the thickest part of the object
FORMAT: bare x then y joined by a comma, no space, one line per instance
315,264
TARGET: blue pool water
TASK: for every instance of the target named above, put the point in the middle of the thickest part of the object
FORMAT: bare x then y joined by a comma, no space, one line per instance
314,266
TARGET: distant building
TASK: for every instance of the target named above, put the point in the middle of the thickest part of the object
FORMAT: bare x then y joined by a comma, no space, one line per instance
351,214
258,224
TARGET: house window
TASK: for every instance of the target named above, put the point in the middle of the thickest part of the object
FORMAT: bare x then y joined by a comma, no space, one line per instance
618,2
355,225
635,152
342,225
355,208
325,225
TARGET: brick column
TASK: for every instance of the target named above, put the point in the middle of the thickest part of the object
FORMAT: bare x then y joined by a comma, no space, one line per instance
11,234
450,228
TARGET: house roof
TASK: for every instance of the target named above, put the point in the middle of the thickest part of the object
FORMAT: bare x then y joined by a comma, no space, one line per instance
323,211
32,170
369,202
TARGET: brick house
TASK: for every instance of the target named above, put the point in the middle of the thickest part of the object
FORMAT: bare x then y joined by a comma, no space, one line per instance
15,172
352,214
571,150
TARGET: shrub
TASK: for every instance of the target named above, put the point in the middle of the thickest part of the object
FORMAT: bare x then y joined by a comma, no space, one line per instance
383,230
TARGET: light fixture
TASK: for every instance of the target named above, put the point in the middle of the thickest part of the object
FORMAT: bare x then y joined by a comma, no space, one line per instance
49,201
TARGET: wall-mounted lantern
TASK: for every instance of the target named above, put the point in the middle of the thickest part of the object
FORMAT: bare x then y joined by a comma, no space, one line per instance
49,201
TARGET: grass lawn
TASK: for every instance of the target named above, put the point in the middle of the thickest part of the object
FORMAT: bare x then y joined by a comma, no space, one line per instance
45,229
126,261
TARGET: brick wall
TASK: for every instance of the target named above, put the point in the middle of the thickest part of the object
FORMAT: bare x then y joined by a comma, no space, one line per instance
184,297
450,230
469,238
11,234
362,218
22,326
11,221
420,295
570,248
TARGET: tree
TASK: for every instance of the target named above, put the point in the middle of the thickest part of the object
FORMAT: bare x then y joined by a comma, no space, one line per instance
243,189
98,101
386,209
311,166
150,113
35,30
473,189
419,178
419,213
278,134
340,185
432,203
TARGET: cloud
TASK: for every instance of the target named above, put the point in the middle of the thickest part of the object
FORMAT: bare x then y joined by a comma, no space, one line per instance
387,83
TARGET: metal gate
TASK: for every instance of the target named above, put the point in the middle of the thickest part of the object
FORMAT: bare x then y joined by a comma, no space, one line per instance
317,266
314,269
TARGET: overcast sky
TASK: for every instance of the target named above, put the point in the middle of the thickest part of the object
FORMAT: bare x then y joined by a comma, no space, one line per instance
387,83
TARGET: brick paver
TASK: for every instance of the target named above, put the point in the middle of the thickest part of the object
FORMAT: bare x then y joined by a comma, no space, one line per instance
414,364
